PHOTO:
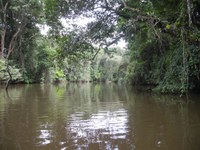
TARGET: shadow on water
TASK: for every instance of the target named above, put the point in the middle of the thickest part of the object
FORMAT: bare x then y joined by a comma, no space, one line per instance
96,116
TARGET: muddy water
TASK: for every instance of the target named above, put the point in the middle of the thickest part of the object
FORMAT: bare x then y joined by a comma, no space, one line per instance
96,117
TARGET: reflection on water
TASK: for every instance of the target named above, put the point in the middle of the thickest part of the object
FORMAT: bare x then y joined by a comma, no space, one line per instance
45,137
100,127
94,116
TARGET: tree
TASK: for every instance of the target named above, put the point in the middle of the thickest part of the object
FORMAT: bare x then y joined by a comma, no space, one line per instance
162,40
16,17
166,42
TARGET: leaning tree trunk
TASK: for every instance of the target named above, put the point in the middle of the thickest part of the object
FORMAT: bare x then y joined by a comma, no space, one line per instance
10,50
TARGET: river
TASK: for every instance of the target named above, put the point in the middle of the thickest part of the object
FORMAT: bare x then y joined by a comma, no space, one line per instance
96,117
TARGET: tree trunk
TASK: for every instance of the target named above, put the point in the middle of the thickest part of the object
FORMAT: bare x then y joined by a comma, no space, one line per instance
47,78
2,43
12,43
3,34
21,56
189,2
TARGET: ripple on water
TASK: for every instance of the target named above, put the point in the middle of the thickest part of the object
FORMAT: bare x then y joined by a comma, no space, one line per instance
44,134
101,126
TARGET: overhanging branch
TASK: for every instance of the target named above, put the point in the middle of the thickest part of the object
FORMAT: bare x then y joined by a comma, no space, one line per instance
114,41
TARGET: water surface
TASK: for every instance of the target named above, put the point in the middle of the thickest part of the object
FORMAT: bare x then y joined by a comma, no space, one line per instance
96,117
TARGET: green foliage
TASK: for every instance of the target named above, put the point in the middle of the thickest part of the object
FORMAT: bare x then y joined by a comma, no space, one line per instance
59,74
14,71
163,46
166,55
110,66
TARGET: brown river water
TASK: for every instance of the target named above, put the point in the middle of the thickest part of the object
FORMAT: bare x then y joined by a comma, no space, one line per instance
96,117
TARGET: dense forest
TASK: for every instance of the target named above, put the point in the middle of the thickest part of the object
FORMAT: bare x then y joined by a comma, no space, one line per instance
163,47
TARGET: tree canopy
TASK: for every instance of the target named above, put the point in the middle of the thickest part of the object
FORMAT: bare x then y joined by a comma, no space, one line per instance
162,37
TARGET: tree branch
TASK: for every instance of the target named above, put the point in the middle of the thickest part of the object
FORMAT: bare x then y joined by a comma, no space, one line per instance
106,45
96,52
129,8
12,43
